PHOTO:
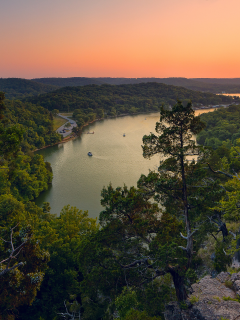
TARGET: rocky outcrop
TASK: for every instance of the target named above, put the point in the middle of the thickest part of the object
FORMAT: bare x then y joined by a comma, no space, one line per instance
212,299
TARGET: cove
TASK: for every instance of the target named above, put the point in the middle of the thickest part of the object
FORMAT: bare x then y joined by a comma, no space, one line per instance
78,179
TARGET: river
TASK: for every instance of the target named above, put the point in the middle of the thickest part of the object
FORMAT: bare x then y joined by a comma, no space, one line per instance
79,179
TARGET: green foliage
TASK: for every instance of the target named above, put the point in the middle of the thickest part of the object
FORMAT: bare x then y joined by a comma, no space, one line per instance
126,301
2,106
19,286
24,176
61,237
183,305
199,84
182,187
68,124
55,112
34,123
10,139
139,315
221,125
222,260
142,97
18,88
229,284
29,177
193,299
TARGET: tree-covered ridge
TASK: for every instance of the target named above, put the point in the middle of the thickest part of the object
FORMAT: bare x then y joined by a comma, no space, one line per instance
16,88
35,121
142,97
222,127
198,84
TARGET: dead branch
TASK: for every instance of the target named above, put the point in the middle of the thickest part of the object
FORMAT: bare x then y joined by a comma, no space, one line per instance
13,255
218,171
73,315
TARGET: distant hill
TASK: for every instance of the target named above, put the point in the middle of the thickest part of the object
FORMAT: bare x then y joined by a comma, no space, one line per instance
198,84
122,98
16,88
69,82
223,81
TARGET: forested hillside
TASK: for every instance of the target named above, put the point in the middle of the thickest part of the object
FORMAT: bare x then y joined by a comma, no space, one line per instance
198,84
222,127
16,88
35,122
123,98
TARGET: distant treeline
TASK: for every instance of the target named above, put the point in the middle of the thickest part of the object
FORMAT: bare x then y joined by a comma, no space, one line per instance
222,127
15,88
122,99
199,84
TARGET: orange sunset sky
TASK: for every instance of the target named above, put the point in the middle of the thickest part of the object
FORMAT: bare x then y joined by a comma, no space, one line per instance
120,38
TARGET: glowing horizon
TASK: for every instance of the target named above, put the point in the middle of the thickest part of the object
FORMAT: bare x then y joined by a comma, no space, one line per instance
130,39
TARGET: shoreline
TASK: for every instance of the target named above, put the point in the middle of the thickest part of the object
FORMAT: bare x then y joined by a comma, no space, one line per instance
70,138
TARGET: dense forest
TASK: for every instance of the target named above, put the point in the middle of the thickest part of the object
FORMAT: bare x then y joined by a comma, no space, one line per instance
143,97
222,127
16,88
152,242
35,122
198,84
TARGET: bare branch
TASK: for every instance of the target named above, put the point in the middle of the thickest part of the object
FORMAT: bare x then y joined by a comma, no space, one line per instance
236,175
134,263
72,315
235,149
225,252
234,235
189,236
213,236
183,236
13,255
185,249
218,171
10,269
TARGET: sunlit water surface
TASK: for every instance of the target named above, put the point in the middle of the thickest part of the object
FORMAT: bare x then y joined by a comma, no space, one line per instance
79,179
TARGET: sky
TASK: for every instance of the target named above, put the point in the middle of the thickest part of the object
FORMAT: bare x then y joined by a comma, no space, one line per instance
119,38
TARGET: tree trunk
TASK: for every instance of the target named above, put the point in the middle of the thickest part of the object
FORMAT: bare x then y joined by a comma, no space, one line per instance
179,285
189,247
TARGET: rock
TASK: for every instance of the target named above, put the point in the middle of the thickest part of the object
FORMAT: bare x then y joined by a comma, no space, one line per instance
236,285
209,288
235,276
205,310
208,301
223,277
173,312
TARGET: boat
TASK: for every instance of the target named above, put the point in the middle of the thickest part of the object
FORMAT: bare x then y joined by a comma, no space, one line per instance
124,135
89,154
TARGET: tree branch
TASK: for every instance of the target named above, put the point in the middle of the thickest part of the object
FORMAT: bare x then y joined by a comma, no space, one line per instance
218,171
185,249
13,254
10,269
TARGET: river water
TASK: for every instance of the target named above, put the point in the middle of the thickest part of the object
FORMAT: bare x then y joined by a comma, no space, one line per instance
79,179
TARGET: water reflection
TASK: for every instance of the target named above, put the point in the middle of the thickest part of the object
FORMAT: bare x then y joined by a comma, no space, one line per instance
79,179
